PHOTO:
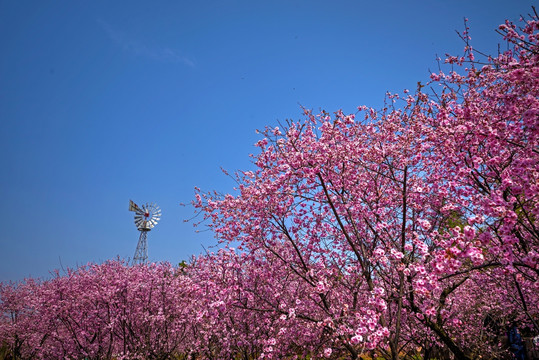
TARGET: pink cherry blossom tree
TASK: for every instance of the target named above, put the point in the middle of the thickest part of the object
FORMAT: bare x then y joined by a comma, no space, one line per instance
100,312
398,218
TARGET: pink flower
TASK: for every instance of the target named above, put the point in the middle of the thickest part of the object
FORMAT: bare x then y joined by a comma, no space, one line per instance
356,339
327,352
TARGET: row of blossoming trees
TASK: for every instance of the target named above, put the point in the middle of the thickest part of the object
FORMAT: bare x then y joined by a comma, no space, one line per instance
410,229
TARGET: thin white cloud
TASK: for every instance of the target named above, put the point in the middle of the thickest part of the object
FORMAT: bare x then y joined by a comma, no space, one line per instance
164,54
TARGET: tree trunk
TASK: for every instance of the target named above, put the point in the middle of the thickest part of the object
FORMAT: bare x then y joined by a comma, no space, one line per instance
455,349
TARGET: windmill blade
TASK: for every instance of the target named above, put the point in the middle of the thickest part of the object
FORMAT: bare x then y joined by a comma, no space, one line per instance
150,209
146,216
145,208
157,214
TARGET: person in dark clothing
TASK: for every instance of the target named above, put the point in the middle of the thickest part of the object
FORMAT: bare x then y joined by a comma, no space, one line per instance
516,345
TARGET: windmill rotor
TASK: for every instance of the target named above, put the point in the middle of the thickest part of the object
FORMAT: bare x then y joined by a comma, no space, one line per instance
146,216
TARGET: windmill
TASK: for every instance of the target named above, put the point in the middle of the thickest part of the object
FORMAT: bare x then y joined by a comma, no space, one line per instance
146,217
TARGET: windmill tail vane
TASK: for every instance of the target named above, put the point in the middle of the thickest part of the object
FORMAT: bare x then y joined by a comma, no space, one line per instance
133,206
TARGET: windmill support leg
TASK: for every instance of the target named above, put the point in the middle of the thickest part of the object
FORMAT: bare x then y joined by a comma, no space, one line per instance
141,254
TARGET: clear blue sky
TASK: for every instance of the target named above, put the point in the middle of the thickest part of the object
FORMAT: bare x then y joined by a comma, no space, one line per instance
106,101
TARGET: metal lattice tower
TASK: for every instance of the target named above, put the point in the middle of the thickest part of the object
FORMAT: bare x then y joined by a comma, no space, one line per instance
146,217
141,254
